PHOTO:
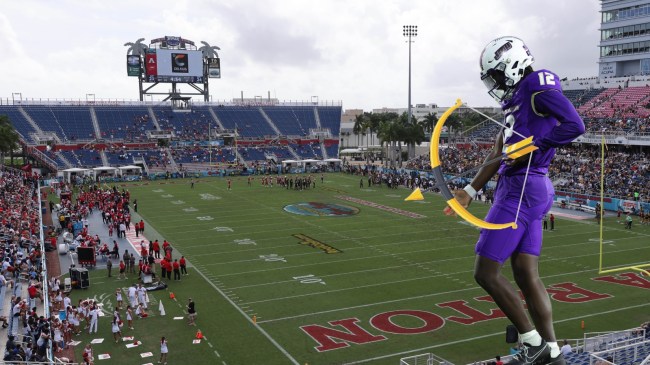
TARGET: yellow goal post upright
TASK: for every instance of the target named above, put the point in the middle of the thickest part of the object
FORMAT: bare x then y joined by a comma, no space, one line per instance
640,268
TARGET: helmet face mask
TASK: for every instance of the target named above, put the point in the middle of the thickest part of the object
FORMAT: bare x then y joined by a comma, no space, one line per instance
503,63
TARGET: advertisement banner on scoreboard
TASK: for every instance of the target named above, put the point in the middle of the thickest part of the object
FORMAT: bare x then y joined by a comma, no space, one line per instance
133,65
179,63
151,64
214,68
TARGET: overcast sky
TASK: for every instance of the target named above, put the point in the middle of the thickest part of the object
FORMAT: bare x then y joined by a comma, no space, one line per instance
351,50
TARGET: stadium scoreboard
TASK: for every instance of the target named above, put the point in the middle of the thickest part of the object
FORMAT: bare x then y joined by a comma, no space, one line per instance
172,60
173,65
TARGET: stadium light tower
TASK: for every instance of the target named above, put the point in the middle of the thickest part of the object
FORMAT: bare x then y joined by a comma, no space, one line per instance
410,31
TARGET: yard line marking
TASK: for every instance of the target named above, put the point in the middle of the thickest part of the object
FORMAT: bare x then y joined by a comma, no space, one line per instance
474,287
322,276
262,331
215,351
488,335
425,240
340,290
410,252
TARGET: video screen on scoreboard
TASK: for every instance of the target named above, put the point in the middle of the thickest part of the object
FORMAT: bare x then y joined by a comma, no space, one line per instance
174,65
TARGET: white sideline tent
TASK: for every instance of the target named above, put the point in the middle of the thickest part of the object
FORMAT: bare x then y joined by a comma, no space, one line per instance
334,162
310,162
291,163
73,172
130,170
104,169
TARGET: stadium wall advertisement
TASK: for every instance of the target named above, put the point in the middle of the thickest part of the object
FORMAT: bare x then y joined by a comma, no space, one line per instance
345,332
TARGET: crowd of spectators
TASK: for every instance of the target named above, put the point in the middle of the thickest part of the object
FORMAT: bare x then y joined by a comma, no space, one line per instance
622,126
190,126
576,168
137,131
22,266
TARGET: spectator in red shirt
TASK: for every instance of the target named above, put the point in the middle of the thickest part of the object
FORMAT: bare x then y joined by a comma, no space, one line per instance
156,249
163,268
122,270
177,270
169,269
183,265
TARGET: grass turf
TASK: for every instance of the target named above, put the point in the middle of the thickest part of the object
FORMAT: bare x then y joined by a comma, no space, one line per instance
252,258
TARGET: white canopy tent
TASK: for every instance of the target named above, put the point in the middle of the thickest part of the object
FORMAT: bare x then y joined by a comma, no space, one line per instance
291,163
332,161
130,170
309,162
73,172
104,170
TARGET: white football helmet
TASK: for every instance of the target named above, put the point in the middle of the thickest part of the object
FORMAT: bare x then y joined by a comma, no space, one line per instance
503,62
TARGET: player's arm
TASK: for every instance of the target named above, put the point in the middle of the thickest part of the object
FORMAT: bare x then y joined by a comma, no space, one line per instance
570,126
482,177
487,172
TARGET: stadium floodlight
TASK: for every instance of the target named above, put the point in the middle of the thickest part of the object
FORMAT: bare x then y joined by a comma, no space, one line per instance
410,31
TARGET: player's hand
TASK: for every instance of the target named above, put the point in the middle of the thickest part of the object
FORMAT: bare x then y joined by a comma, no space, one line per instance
463,198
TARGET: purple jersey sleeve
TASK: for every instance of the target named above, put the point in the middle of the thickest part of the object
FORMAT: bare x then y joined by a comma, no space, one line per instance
569,126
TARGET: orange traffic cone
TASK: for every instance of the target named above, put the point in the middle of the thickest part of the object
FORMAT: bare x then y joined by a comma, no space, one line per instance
199,335
171,295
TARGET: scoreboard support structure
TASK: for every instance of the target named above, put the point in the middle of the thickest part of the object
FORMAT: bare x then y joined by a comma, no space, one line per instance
173,60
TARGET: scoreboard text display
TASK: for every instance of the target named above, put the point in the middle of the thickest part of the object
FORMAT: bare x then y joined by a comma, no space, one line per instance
174,65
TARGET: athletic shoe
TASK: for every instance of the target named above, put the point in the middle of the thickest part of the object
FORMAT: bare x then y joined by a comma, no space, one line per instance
559,360
532,355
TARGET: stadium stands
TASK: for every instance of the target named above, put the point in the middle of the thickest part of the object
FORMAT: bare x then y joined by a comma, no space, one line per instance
192,125
19,122
127,123
70,123
248,121
293,121
80,134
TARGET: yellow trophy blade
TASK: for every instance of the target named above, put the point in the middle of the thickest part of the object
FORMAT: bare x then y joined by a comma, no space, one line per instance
415,195
521,148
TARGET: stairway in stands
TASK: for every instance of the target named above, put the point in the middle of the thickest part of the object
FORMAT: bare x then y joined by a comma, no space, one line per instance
268,120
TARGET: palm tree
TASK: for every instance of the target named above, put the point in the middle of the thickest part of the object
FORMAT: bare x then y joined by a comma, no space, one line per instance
404,120
429,122
373,125
358,128
9,139
137,48
390,132
414,134
209,51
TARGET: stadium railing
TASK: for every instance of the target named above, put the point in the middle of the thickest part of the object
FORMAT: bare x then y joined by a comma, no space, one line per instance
629,354
424,359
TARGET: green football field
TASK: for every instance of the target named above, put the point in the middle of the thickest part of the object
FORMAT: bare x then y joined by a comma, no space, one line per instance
340,274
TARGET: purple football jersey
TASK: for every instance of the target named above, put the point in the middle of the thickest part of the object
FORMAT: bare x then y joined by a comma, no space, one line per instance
539,109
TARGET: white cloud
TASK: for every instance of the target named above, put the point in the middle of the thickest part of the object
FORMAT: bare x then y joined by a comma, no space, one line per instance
352,51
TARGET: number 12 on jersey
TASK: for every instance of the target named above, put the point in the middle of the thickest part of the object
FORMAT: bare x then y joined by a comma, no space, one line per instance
546,78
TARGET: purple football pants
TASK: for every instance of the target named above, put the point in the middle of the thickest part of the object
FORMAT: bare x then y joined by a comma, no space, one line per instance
499,245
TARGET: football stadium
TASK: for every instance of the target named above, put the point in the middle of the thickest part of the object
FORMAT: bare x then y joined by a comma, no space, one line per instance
178,229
